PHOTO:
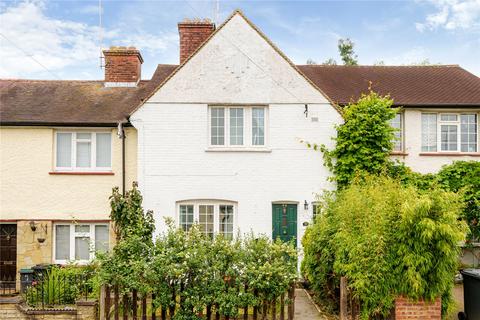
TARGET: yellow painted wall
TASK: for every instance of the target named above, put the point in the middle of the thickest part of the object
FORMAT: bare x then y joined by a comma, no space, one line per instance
28,191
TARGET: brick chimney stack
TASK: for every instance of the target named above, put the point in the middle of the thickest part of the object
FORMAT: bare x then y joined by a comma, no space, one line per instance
192,34
123,66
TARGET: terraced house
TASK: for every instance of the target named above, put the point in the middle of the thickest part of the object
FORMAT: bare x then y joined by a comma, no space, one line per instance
215,140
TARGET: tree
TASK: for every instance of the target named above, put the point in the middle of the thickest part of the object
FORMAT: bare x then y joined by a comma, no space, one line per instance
311,61
330,62
345,48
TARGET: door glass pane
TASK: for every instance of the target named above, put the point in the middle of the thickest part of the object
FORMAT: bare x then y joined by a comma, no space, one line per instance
396,123
206,219
449,138
468,128
83,154
186,217
82,248
429,132
236,126
103,150
62,242
258,126
217,134
226,221
101,238
64,149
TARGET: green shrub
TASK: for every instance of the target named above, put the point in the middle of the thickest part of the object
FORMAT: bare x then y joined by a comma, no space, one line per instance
388,240
60,286
189,271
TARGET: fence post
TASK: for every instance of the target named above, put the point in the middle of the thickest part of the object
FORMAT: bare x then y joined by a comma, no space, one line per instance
282,306
291,302
125,307
154,316
343,299
255,307
107,302
101,306
115,302
274,309
144,307
134,304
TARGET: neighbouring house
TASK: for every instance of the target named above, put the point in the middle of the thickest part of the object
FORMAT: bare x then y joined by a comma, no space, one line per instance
215,140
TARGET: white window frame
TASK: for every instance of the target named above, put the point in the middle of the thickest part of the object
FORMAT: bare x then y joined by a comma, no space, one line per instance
402,130
216,213
73,235
247,128
459,132
93,152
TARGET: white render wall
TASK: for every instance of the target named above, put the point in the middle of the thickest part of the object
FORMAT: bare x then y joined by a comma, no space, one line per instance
175,165
413,142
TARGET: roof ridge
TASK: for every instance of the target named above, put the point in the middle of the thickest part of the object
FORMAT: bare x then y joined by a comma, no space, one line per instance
48,80
381,66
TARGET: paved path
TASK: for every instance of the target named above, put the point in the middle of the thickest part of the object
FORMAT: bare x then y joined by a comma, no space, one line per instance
304,307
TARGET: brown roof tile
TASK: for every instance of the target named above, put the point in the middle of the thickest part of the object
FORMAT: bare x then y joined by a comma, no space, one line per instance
41,102
38,102
407,85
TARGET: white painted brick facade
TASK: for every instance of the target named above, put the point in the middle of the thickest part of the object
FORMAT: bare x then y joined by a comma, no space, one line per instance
174,163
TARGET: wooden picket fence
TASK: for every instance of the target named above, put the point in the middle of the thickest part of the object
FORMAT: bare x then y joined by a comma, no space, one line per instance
133,306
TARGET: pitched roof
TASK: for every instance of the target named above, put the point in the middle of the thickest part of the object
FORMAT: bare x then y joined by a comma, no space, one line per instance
82,103
438,85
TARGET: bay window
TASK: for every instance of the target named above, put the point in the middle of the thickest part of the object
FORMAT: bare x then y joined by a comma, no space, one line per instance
237,127
79,242
212,217
449,132
83,151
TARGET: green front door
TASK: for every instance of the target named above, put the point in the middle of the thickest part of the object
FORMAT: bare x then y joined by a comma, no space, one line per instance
284,222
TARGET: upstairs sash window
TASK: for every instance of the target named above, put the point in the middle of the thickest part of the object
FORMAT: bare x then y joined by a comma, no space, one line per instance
237,127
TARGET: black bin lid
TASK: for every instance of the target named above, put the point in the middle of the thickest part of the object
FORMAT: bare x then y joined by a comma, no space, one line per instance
474,273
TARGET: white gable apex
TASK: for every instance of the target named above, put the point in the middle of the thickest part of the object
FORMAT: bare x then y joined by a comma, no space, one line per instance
237,65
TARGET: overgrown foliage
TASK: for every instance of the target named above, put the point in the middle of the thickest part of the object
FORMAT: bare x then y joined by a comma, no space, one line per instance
462,177
128,216
58,286
387,239
363,141
188,271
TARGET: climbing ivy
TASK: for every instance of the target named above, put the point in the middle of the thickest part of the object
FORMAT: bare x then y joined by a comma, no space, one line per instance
364,141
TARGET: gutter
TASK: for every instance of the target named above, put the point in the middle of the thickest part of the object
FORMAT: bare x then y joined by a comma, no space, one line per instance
121,135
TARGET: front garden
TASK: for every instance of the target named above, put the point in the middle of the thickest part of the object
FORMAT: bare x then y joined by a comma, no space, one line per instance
388,231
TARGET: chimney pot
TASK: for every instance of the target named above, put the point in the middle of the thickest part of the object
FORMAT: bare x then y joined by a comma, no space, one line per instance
193,33
123,66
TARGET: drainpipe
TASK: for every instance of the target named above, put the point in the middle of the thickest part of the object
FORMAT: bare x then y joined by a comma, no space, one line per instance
121,135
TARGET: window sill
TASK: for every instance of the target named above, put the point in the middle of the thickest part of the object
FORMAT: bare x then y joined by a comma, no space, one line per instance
398,153
82,173
230,149
450,154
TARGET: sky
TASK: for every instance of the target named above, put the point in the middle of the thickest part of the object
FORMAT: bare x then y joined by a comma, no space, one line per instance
42,39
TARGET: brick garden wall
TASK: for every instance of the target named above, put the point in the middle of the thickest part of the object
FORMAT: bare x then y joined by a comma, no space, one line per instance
14,310
406,309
